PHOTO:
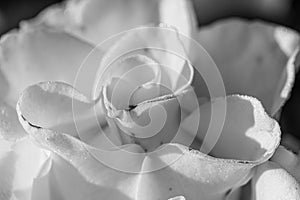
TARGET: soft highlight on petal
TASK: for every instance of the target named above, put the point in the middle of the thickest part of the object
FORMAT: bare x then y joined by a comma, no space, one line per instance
274,183
250,59
10,128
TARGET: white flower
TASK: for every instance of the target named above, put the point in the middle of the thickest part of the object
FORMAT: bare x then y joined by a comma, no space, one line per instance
65,155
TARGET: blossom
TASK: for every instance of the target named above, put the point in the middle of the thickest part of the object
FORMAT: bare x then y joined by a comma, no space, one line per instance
68,156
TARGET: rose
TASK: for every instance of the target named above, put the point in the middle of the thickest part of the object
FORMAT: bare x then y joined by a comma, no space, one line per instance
45,108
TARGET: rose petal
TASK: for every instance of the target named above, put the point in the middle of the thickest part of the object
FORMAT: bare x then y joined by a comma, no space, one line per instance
287,160
87,166
254,63
19,165
35,54
247,133
152,124
7,164
53,105
288,39
59,107
127,76
162,44
180,15
3,86
272,182
200,174
291,142
29,159
86,19
10,128
61,179
189,173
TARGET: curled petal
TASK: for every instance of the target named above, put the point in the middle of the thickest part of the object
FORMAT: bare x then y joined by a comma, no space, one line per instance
255,137
59,107
162,173
254,54
162,44
236,150
274,183
126,77
52,105
128,100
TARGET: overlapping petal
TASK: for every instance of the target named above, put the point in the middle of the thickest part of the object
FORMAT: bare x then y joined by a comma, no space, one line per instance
181,171
68,124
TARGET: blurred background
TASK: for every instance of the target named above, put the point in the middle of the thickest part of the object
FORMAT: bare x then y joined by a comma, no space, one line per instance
284,12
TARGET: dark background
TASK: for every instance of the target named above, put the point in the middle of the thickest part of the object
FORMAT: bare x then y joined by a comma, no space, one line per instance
284,12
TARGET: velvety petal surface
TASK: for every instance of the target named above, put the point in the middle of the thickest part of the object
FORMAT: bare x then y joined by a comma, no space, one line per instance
252,57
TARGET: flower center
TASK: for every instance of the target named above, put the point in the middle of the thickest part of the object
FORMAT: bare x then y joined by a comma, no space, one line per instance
151,116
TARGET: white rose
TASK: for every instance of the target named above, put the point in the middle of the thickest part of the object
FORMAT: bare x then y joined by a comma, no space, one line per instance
65,155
